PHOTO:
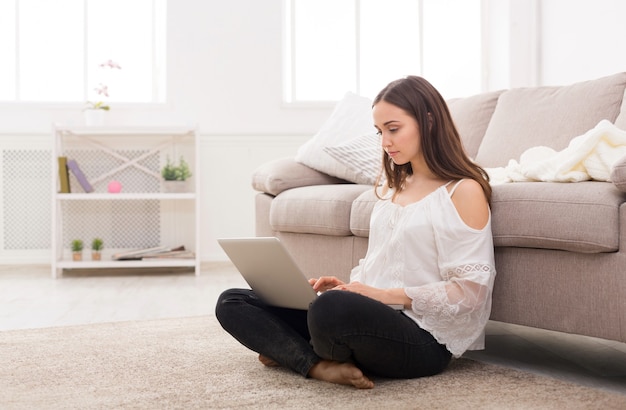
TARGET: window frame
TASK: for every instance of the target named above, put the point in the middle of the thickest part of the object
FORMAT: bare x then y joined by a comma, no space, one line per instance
289,85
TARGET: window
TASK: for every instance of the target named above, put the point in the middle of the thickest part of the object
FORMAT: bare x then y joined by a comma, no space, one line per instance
334,46
53,50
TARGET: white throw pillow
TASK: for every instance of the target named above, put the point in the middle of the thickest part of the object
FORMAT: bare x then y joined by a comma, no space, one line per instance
352,117
362,155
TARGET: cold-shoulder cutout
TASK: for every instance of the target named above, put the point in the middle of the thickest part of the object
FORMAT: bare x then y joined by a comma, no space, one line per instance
470,202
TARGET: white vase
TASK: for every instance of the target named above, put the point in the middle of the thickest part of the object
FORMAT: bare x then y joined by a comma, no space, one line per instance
175,186
94,118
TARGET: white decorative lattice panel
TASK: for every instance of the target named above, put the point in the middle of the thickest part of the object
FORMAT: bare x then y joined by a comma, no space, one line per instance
95,163
120,224
26,199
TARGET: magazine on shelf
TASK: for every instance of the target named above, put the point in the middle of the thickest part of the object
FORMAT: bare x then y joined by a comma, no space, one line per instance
138,254
170,255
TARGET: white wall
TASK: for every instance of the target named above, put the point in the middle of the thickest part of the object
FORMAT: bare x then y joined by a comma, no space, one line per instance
554,42
585,43
225,71
224,74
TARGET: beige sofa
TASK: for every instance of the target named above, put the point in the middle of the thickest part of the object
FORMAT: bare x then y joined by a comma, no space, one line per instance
560,247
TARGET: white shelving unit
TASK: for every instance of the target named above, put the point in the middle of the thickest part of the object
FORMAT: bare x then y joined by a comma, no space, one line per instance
142,215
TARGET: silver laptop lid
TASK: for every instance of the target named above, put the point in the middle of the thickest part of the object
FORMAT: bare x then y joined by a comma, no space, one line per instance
270,271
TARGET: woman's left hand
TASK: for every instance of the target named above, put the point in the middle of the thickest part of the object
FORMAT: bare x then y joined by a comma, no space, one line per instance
358,287
325,283
387,296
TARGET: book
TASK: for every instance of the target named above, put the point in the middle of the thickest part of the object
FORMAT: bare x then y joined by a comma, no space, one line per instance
64,178
80,176
138,254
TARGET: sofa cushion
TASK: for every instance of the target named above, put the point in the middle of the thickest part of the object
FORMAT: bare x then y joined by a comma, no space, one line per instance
361,212
578,217
548,116
618,174
620,121
279,175
321,209
471,117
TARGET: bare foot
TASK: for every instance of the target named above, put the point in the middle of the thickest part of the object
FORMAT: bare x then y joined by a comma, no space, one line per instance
267,361
340,373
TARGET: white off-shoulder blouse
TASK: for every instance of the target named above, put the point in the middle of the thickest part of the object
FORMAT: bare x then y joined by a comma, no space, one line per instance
446,267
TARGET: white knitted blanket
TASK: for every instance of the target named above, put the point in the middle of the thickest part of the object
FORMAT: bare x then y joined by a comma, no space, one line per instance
590,156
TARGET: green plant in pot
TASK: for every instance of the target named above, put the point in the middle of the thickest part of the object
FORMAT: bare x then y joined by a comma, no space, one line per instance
176,175
77,250
96,249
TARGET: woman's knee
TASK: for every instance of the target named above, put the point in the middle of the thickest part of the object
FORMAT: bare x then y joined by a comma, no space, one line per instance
331,309
326,304
230,298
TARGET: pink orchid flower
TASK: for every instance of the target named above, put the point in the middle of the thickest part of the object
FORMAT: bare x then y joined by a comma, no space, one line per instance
102,90
111,64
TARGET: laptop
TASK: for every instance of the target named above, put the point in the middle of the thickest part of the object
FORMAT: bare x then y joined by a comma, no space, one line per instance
271,271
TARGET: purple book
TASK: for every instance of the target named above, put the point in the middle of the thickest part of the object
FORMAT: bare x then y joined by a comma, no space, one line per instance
82,179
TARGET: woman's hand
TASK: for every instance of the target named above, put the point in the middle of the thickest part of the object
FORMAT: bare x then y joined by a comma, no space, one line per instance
365,290
387,296
325,283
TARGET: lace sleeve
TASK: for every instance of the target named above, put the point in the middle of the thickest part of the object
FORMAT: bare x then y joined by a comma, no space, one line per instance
456,309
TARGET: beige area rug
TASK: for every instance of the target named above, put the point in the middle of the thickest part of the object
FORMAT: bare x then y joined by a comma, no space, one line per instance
192,363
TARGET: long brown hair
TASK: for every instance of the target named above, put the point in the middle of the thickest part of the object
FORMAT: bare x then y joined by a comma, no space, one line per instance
440,141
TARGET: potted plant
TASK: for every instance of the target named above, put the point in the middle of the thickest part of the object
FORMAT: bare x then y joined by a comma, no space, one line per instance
96,249
175,176
77,250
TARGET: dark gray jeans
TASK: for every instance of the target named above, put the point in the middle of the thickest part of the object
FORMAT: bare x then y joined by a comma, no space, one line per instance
341,326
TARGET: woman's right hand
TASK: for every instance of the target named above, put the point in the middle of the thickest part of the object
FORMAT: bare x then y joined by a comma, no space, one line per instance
325,283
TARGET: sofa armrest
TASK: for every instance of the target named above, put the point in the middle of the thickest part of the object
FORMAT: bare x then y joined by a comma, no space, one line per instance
618,174
279,175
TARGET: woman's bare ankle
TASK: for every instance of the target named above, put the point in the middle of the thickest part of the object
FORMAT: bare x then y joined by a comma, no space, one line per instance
340,373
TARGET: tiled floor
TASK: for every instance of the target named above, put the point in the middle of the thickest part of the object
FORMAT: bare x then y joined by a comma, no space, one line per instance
29,298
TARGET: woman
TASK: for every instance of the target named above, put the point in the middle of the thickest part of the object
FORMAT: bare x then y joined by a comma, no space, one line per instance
430,249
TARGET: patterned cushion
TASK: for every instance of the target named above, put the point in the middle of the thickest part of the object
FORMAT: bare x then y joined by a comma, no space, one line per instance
362,155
